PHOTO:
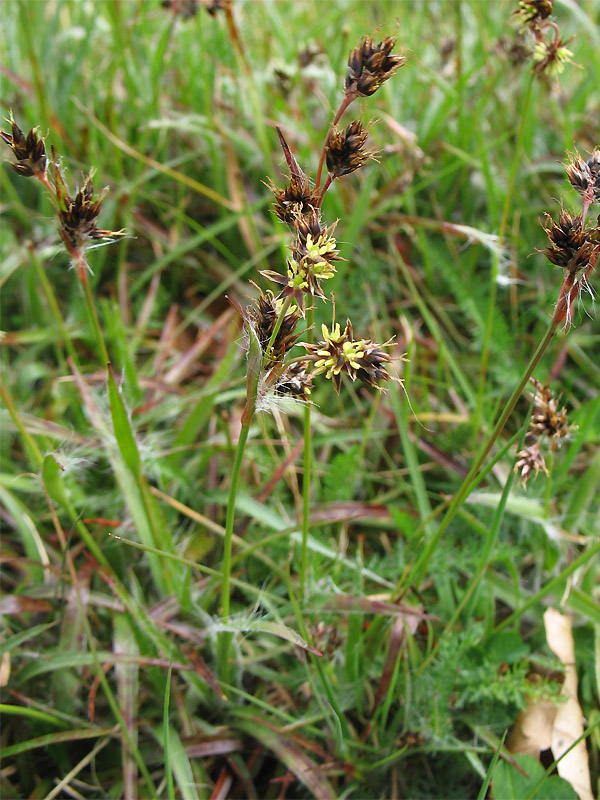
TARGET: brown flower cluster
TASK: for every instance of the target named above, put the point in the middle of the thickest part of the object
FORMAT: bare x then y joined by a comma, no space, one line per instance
584,177
575,241
339,353
370,65
549,53
263,316
345,150
77,216
548,422
30,151
571,243
272,320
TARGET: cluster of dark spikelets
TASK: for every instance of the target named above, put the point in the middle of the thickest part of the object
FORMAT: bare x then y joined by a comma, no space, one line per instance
77,216
370,65
189,8
574,240
314,252
339,353
548,422
263,316
549,52
30,151
345,151
584,177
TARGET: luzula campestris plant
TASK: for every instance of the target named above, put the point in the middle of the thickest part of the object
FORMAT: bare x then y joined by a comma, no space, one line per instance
549,53
548,423
77,216
271,322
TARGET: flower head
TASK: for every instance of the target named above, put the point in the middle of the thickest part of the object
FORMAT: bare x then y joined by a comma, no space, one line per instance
551,57
78,215
263,317
298,197
571,244
529,462
312,261
547,419
295,199
370,65
584,176
345,150
295,381
30,151
340,352
530,13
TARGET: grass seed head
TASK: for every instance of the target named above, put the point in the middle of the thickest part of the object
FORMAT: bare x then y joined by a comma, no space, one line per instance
263,317
30,151
551,57
370,65
295,199
295,381
530,13
313,255
340,352
529,463
584,176
345,150
571,244
547,419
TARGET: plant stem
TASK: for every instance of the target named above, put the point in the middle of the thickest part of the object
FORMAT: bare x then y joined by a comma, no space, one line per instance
419,568
489,323
225,636
338,114
310,318
81,267
53,304
277,327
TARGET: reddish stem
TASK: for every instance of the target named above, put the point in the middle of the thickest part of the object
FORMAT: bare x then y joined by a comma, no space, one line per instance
348,98
326,186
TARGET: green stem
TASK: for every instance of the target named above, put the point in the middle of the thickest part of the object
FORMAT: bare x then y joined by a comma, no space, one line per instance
419,568
31,447
310,319
489,323
91,310
278,323
53,304
225,637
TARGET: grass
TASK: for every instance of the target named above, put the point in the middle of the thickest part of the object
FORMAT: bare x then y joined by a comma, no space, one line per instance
395,662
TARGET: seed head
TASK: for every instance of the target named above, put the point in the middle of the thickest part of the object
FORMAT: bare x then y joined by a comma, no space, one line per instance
572,245
551,57
584,176
263,317
547,419
295,381
340,352
30,151
295,199
311,262
529,462
530,13
78,216
183,8
370,65
345,150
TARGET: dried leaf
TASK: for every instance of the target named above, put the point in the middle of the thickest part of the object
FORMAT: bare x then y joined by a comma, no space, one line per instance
532,732
568,722
5,669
